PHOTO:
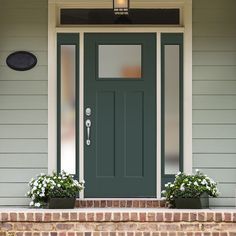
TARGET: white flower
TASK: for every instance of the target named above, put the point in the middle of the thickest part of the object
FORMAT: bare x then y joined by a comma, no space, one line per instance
182,188
195,183
204,182
36,183
58,185
37,204
163,191
31,203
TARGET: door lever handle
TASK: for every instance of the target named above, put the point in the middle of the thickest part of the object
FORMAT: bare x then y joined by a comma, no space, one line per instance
88,125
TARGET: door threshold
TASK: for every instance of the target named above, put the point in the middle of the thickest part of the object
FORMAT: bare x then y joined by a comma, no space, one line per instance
120,203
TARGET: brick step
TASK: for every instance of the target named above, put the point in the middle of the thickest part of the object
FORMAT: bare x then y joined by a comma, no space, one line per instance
117,222
120,203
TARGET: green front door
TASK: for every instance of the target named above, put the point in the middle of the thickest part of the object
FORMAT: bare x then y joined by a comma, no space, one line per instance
120,114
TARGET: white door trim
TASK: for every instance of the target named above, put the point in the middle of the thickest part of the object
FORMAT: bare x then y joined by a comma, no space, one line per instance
52,83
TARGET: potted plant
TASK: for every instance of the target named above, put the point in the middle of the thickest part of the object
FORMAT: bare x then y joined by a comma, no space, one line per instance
190,191
58,190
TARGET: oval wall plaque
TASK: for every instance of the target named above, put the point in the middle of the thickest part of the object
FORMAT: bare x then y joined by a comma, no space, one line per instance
21,60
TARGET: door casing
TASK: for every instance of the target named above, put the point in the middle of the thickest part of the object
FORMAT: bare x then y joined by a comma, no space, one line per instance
158,31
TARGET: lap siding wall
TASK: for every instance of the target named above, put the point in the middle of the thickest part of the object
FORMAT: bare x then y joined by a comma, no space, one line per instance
214,95
23,99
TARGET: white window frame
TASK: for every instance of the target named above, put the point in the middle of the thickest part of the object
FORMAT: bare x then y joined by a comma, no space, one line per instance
54,27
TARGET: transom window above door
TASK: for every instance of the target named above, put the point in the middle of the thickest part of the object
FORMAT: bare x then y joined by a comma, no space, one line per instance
78,16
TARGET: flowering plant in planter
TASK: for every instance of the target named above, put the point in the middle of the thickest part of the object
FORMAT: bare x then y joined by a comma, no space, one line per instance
58,185
189,186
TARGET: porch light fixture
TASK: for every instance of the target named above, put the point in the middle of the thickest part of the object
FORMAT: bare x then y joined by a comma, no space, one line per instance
121,7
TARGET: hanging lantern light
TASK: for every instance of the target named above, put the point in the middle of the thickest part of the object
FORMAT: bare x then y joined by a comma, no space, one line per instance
121,7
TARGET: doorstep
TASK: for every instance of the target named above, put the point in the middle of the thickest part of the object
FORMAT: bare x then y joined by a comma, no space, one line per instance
117,222
120,203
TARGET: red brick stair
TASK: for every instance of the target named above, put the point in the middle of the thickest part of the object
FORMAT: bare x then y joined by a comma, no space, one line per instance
120,203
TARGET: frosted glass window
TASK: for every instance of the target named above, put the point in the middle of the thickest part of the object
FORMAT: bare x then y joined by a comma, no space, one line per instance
119,61
68,75
172,111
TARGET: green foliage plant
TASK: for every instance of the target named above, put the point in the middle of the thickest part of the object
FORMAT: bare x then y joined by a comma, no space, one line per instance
189,186
57,185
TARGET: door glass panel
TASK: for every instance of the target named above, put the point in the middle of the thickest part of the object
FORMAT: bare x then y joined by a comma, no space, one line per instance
119,61
68,70
172,111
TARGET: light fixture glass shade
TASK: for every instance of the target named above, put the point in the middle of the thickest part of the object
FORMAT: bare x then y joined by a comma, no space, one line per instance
121,6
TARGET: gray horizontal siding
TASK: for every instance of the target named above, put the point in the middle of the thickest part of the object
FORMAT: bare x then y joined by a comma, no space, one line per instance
219,45
214,95
34,43
13,189
214,29
8,74
23,99
214,87
24,30
217,58
213,131
23,87
26,4
25,160
23,175
220,72
23,102
214,117
205,102
214,160
23,117
14,201
23,145
23,131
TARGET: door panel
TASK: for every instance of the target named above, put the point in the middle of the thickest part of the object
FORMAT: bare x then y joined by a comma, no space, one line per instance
134,142
121,158
105,136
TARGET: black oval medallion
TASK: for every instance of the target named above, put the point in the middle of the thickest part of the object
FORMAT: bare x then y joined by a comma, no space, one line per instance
21,60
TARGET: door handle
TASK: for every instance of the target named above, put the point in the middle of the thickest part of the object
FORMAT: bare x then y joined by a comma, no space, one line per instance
88,126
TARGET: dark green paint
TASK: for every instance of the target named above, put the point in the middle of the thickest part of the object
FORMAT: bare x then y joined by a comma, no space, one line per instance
121,160
67,39
171,39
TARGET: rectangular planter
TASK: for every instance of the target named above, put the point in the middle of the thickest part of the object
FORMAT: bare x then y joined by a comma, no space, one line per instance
61,203
192,203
